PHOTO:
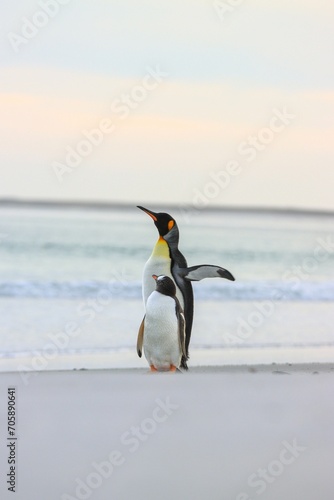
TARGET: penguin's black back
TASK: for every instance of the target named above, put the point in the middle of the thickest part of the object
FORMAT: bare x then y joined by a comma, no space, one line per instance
188,299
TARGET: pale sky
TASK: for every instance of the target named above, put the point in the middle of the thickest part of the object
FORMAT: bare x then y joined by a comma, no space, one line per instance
231,103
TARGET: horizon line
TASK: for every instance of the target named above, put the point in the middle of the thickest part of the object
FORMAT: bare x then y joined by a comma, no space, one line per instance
105,205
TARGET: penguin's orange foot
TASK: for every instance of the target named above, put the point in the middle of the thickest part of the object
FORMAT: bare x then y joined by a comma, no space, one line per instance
153,368
172,368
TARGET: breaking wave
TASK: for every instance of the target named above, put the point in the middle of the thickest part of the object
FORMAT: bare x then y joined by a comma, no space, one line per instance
248,291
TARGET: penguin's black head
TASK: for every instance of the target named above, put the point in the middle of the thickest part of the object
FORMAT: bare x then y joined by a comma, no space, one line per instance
165,285
163,222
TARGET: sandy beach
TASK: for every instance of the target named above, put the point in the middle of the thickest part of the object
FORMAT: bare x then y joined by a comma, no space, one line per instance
221,433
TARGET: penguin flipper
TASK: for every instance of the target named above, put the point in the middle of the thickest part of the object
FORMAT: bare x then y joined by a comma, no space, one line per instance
140,338
182,334
182,328
198,273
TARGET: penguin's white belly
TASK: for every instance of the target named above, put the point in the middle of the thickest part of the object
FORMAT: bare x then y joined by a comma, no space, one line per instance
159,266
161,337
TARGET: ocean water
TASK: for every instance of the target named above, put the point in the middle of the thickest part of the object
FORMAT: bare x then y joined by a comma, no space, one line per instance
70,286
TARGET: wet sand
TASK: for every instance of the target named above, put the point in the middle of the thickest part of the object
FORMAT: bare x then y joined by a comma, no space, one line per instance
222,433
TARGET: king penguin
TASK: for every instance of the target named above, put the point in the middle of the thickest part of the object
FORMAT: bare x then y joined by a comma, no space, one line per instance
166,259
162,332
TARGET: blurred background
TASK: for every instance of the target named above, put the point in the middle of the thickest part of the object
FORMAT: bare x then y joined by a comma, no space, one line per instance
220,114
224,70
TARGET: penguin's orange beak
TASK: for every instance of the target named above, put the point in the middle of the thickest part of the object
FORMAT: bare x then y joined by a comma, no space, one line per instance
148,212
155,277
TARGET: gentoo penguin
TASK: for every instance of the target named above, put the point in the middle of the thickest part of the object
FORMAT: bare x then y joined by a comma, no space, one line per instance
162,332
166,259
